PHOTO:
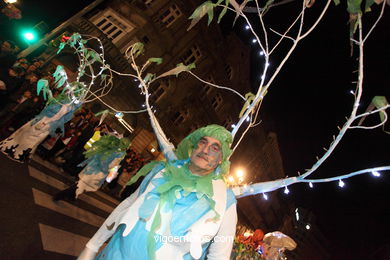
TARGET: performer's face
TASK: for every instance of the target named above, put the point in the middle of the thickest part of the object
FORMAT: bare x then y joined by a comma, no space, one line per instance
206,156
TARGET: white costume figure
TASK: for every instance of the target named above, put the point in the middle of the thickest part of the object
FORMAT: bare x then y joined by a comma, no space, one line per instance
182,210
103,159
23,142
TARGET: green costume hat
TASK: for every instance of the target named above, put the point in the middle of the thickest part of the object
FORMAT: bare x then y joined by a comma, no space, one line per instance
107,145
188,144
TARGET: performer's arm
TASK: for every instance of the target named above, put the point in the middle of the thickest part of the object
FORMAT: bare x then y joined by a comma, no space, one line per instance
105,232
221,247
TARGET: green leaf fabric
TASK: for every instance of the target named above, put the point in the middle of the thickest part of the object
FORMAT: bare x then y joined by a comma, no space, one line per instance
156,60
368,5
179,69
205,8
179,179
379,102
353,6
106,145
42,85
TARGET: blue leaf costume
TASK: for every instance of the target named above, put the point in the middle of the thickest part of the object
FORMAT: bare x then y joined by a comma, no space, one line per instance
171,216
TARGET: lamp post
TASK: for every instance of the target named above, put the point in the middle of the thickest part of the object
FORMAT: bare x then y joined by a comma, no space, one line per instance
237,179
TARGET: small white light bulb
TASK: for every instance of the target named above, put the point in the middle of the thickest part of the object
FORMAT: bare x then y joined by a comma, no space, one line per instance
247,27
265,196
286,191
341,183
311,185
376,174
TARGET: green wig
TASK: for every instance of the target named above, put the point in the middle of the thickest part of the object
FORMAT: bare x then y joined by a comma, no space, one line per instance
188,144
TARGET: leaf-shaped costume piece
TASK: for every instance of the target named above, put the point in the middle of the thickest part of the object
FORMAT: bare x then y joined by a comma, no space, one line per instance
377,102
156,60
60,76
249,99
206,8
43,85
179,69
106,145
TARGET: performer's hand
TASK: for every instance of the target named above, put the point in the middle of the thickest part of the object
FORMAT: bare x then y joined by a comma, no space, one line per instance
87,254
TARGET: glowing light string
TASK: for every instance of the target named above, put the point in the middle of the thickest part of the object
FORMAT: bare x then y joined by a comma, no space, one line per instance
268,186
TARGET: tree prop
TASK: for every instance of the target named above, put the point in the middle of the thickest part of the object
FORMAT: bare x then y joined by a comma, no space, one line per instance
251,101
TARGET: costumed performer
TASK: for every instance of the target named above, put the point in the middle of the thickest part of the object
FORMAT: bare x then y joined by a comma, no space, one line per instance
182,209
103,159
24,141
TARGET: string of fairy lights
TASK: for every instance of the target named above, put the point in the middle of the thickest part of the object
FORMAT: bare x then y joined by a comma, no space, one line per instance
265,187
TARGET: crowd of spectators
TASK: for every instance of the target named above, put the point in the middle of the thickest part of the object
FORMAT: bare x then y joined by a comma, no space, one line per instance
18,77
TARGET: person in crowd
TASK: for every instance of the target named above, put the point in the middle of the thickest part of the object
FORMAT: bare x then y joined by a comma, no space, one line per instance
7,55
71,164
13,80
22,62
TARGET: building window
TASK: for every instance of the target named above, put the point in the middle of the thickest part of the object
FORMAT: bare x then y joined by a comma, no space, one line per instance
217,101
228,123
170,15
148,2
145,40
206,88
191,56
229,71
180,117
205,91
158,90
114,27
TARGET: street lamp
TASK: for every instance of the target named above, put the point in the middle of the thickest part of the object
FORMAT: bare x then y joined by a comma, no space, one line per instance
29,36
240,175
237,178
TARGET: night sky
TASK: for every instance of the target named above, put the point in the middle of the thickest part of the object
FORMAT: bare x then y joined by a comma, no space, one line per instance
304,106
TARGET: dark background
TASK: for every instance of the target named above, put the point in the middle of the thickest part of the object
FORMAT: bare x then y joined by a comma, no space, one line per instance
304,106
